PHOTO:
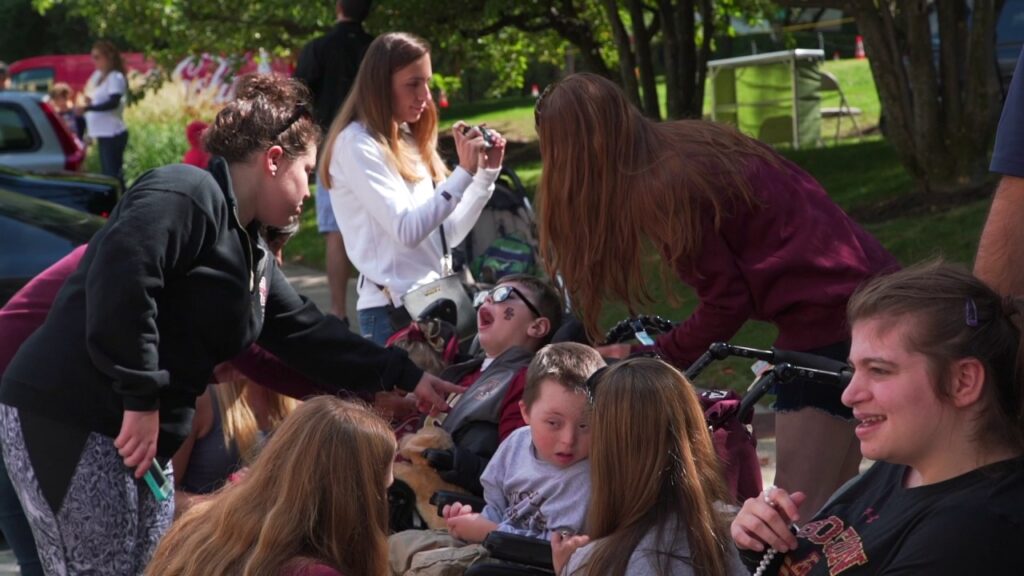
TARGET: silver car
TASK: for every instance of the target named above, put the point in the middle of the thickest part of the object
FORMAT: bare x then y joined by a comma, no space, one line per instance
34,137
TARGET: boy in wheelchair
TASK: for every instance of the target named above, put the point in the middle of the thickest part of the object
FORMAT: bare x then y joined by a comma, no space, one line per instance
517,317
537,482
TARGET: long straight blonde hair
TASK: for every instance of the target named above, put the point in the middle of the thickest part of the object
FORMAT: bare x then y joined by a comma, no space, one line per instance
239,423
653,468
370,102
317,493
615,184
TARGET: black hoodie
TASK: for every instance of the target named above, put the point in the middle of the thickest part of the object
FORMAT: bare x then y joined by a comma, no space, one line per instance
171,286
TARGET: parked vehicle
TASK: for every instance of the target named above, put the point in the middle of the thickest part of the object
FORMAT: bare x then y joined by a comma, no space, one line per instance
33,136
39,73
36,233
92,193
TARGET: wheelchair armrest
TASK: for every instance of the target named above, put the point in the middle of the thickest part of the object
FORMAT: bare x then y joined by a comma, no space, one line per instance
519,549
442,498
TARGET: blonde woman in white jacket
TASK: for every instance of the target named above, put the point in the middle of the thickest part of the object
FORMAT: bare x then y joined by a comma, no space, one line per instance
390,190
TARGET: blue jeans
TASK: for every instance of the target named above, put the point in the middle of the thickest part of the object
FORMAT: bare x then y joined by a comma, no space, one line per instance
112,155
375,324
15,527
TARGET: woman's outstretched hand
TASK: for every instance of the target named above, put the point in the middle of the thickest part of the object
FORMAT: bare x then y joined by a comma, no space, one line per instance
430,393
137,441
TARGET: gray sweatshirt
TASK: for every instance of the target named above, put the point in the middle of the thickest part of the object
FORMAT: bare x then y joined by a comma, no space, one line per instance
647,556
530,497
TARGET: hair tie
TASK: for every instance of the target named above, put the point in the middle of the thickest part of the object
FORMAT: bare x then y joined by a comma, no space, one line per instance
971,313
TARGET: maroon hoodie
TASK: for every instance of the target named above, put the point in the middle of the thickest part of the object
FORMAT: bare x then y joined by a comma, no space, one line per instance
794,261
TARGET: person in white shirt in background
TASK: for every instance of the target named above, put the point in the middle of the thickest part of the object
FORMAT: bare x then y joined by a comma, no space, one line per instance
104,114
389,188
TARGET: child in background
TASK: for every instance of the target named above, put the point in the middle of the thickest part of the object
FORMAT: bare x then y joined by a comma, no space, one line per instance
302,510
196,154
655,482
63,102
538,480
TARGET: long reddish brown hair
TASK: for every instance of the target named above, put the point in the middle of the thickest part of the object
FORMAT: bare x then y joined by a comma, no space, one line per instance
316,493
615,184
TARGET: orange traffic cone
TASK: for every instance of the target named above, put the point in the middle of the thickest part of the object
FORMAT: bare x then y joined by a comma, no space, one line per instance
535,91
442,101
858,50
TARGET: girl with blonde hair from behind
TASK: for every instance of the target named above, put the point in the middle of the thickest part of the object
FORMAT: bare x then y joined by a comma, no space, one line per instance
655,482
314,503
232,419
390,190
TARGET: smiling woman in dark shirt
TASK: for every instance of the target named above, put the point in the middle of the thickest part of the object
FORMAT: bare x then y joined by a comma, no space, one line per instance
176,282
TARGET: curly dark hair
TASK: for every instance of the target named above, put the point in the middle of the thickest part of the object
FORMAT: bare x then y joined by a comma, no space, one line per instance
267,110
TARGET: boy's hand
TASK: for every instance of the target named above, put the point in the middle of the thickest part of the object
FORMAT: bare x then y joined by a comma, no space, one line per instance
471,527
456,509
562,547
394,405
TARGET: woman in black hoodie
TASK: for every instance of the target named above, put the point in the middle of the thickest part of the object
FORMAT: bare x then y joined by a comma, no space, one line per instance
176,282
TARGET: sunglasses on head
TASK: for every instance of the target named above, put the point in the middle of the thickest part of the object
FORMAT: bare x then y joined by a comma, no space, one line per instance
503,292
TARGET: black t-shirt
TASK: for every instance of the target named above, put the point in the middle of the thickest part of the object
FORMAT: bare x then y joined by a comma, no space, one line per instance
328,66
971,524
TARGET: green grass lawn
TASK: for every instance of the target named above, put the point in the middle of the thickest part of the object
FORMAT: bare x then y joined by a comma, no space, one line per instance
859,172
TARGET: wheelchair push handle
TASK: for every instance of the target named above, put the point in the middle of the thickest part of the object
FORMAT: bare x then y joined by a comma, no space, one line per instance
797,360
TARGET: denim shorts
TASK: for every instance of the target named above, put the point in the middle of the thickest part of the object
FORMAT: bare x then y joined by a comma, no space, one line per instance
801,393
325,220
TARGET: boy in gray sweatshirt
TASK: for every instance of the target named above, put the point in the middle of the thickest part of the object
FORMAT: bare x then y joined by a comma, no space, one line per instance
539,479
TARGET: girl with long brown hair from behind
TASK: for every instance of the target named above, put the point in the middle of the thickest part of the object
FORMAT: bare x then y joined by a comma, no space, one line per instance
753,234
315,502
655,482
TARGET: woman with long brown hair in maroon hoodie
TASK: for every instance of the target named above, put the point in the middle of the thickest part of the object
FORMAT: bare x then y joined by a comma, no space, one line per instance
755,236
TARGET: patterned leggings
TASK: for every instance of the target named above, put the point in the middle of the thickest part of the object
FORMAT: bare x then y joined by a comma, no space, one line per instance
108,523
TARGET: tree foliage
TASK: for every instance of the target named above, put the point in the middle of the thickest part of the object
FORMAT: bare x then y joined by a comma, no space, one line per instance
633,41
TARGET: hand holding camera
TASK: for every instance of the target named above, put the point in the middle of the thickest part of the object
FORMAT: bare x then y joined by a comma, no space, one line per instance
478,145
487,135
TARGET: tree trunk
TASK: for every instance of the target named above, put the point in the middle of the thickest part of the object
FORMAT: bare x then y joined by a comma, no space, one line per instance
673,59
645,60
627,62
941,106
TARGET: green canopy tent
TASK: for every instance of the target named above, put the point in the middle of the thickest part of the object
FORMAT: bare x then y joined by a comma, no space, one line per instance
773,97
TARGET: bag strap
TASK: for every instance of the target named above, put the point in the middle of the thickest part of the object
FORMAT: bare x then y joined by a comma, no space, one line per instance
447,265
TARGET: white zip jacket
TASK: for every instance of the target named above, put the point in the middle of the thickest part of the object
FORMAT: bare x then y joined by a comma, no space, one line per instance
390,226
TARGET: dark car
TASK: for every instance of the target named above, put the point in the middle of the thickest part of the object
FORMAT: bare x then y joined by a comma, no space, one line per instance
37,233
90,193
